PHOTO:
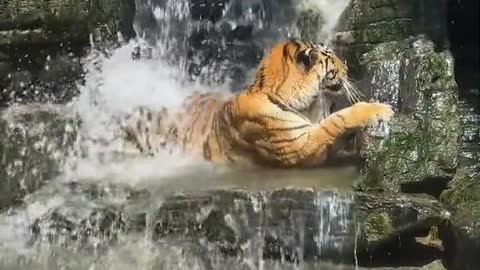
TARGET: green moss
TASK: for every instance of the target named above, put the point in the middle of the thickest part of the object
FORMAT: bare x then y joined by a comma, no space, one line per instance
464,195
436,265
28,21
422,143
377,226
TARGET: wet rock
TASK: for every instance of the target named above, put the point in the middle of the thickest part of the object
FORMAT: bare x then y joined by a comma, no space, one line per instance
463,191
392,229
288,225
419,155
464,195
26,22
367,23
33,145
37,36
436,265
291,225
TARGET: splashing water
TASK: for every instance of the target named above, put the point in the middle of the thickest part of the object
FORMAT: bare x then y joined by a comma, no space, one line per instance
330,11
116,84
83,217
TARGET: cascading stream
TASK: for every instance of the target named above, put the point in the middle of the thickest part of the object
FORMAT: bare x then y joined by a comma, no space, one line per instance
96,204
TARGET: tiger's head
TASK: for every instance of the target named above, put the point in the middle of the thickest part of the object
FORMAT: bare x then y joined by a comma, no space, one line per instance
297,72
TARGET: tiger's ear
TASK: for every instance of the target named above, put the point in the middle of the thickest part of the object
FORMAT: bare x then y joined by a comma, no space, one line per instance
308,57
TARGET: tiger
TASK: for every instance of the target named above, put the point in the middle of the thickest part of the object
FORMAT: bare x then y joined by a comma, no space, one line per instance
265,124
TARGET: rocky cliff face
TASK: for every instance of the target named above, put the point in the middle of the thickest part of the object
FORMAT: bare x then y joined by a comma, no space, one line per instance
41,43
366,24
399,51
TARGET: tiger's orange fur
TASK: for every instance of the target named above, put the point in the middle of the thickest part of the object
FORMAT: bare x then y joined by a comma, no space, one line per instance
264,124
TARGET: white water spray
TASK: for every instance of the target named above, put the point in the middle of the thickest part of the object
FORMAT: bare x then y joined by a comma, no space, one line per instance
330,10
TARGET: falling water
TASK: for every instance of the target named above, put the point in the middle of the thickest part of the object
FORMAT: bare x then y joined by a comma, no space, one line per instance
94,202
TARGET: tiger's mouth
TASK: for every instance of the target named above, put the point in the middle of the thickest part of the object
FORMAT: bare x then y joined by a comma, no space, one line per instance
334,87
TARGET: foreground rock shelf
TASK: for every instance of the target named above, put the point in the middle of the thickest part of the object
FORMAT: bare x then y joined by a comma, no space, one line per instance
292,225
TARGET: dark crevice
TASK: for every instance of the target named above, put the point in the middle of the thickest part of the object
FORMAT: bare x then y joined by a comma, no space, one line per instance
461,252
463,31
402,249
433,186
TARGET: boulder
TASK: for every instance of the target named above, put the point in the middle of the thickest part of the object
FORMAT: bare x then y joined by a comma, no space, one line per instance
33,145
419,155
463,194
49,37
436,265
290,225
27,22
367,23
397,229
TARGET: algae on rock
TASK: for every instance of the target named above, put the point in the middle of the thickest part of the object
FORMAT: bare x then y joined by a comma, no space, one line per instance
420,152
27,22
464,195
33,146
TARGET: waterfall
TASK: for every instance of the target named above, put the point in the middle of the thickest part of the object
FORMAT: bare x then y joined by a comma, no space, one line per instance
101,206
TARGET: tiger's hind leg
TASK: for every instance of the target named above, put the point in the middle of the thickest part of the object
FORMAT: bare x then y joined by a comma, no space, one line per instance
148,130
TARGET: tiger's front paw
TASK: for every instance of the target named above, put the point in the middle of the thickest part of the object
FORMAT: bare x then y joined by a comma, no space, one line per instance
374,112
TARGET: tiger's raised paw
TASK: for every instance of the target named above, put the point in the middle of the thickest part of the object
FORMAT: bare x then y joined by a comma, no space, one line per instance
375,112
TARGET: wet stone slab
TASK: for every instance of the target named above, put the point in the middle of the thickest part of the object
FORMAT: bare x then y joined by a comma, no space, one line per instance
288,225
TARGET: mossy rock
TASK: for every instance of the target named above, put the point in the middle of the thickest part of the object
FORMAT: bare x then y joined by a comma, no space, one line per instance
377,226
381,216
378,21
33,146
420,152
464,195
24,22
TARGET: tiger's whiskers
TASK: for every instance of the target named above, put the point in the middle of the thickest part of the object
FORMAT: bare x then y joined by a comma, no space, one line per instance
351,91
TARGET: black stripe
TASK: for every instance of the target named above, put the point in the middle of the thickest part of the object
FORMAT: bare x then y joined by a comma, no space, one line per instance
207,152
286,154
284,107
298,43
290,140
324,53
280,104
287,128
298,47
197,114
285,66
216,131
285,51
261,77
149,116
259,118
336,125
327,131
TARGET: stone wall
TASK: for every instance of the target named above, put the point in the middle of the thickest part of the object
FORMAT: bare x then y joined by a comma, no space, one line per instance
366,24
34,34
29,22
398,51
